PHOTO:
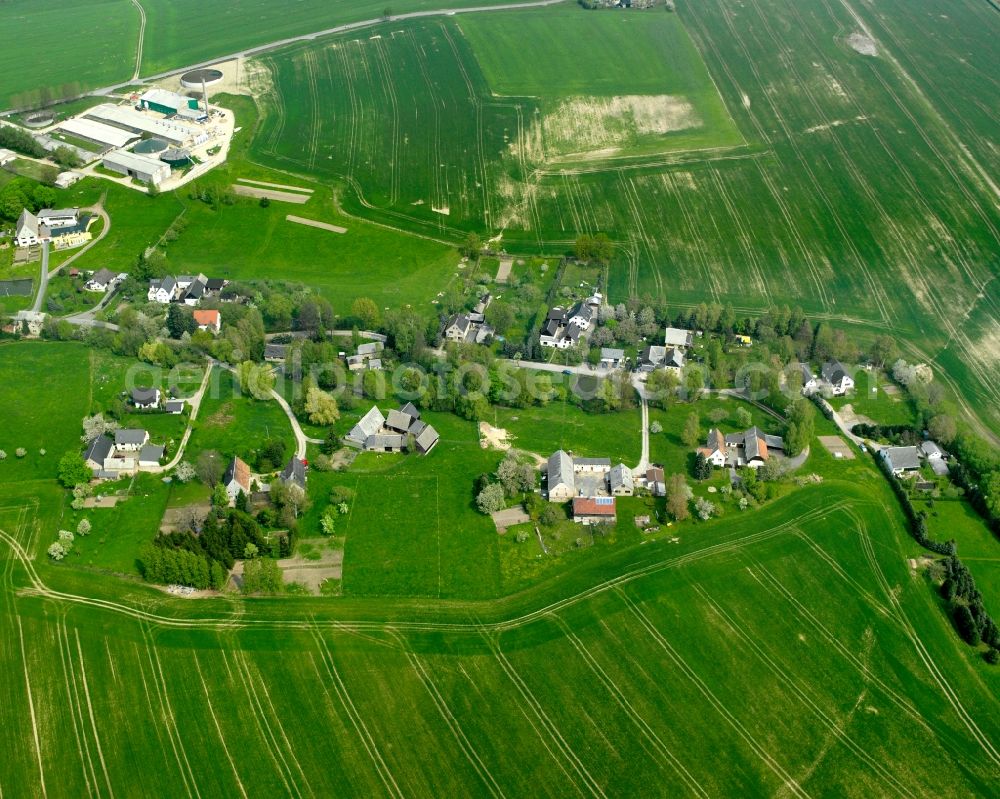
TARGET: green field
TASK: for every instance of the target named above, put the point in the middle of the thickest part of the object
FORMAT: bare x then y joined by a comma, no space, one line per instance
790,650
862,193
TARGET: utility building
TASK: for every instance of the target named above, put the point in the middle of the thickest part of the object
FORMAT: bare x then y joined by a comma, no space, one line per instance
141,167
164,102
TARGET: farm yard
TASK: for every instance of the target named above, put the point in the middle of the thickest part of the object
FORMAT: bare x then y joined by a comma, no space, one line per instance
794,652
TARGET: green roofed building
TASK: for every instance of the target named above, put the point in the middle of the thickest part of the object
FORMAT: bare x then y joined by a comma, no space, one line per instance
164,102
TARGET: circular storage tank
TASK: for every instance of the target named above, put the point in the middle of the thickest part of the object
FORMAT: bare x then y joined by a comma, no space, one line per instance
177,159
150,147
195,78
39,119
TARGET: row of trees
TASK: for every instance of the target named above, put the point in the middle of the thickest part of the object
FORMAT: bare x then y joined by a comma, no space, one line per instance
965,602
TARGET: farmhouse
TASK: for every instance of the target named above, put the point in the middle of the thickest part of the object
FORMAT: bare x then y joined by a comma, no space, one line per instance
377,433
559,331
582,315
236,478
901,460
143,168
208,320
99,448
568,477
103,280
161,290
749,448
467,328
146,398
677,337
49,225
655,356
836,378
594,510
655,481
130,439
715,451
294,473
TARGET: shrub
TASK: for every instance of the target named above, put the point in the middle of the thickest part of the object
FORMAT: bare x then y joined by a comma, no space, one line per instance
66,538
3,455
656,427
20,452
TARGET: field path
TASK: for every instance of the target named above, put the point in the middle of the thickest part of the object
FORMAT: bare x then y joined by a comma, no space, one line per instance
142,36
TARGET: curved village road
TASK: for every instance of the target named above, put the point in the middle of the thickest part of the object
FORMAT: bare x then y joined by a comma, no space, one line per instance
43,282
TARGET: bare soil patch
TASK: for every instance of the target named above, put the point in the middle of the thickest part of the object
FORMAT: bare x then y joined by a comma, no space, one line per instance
313,573
495,437
837,447
862,43
313,223
102,502
508,517
281,186
503,272
270,194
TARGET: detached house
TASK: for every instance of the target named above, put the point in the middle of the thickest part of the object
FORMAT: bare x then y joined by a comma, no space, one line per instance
236,478
103,280
146,398
677,337
836,378
901,460
594,510
294,473
161,290
130,439
714,450
208,320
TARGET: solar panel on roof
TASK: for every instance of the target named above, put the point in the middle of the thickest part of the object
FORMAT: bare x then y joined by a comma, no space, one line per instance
605,500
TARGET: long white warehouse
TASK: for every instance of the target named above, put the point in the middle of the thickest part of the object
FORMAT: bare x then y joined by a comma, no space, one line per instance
174,132
98,132
141,167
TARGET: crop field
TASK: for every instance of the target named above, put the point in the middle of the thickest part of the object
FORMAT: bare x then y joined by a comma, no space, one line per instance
86,42
793,653
852,188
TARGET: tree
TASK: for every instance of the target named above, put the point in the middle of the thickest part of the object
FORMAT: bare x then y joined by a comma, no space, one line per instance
717,415
991,493
180,320
321,407
966,625
255,379
691,434
184,472
770,470
801,422
500,316
83,528
515,477
328,521
678,496
694,381
262,576
702,468
491,498
56,551
366,312
209,467
942,428
471,246
73,470
66,157
655,428
220,497
743,418
704,508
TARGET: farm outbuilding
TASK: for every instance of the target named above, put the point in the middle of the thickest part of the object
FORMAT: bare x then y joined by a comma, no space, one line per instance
141,167
164,102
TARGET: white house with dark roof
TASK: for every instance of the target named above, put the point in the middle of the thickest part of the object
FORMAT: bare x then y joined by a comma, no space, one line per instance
99,448
130,439
146,398
561,477
901,460
620,481
103,280
294,473
836,378
161,290
715,450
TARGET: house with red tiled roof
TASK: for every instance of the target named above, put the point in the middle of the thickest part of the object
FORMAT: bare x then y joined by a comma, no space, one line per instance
594,510
208,320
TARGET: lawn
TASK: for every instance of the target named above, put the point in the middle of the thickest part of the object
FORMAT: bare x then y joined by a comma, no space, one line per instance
233,424
413,529
560,425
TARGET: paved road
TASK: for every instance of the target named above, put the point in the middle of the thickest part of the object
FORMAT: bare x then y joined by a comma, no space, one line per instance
349,26
195,405
43,279
585,369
